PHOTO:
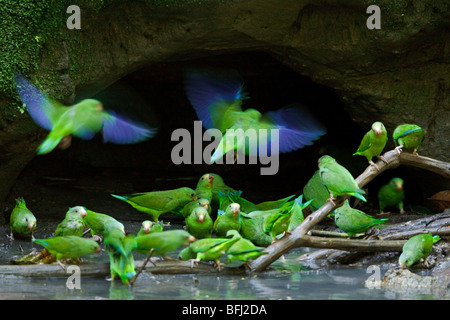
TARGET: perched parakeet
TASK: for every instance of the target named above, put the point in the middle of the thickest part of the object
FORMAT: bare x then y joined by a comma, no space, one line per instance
199,224
82,120
156,203
269,205
277,222
212,249
244,250
297,216
219,185
149,227
353,221
163,242
69,246
315,191
217,99
22,221
73,223
373,143
187,209
235,197
252,227
392,195
337,179
227,220
408,136
416,248
204,187
101,223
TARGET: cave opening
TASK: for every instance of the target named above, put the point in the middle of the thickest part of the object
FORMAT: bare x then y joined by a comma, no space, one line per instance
88,171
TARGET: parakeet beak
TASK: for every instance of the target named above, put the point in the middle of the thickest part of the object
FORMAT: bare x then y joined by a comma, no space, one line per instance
201,218
83,213
99,106
146,228
191,238
210,180
378,132
206,206
236,209
399,187
195,198
30,225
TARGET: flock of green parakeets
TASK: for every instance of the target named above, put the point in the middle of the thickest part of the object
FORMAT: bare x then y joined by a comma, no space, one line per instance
218,220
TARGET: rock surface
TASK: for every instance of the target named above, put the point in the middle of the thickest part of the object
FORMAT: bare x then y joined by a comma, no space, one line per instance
396,74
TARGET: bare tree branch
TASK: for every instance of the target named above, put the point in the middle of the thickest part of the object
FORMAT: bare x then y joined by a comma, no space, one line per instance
298,235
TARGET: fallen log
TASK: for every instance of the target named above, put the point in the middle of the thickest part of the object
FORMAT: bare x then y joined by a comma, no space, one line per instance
296,238
102,269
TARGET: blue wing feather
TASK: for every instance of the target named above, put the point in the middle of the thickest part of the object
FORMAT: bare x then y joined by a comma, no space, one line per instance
36,103
119,130
205,88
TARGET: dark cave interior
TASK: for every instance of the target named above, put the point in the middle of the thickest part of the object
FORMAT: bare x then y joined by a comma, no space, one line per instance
87,172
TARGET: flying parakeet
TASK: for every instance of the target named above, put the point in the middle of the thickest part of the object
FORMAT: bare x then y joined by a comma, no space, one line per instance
163,242
244,250
212,249
315,191
82,120
408,136
149,227
392,195
22,221
217,100
204,187
101,223
227,220
156,203
73,223
69,246
373,143
199,224
353,221
187,209
416,248
337,179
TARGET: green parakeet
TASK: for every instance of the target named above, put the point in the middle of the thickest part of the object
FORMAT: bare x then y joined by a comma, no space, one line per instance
278,222
22,221
217,99
204,187
149,227
73,223
187,209
156,203
244,250
82,120
219,185
315,191
121,262
252,227
163,242
227,220
408,136
338,180
373,143
245,205
297,216
353,221
392,195
269,205
69,246
101,223
199,224
416,248
212,249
